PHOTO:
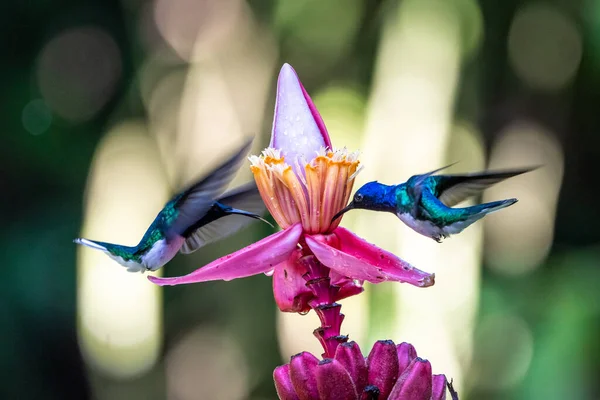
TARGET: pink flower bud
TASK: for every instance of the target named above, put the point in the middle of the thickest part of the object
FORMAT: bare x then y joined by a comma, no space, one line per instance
383,366
348,376
334,382
350,356
439,387
414,383
302,374
406,353
283,383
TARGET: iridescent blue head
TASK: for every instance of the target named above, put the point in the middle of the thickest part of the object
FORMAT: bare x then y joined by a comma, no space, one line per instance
372,196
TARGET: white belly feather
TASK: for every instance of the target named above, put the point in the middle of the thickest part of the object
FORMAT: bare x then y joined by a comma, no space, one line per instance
131,266
425,228
160,254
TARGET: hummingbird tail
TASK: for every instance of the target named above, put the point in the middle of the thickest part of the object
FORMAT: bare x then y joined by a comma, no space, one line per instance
237,211
90,243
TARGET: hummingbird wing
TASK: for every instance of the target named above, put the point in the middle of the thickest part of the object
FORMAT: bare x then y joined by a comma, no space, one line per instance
414,186
245,197
194,202
419,179
452,189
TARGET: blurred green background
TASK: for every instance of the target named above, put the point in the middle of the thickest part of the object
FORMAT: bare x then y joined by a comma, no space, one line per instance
107,105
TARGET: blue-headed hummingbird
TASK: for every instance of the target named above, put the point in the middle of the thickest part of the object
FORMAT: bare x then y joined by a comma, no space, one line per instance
425,202
196,216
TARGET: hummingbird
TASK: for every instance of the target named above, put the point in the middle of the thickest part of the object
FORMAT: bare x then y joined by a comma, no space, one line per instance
196,216
425,202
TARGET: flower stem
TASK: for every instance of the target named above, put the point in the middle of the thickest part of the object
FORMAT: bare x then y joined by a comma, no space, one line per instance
318,281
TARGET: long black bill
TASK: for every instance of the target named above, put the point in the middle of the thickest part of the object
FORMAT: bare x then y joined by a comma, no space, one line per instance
237,211
342,211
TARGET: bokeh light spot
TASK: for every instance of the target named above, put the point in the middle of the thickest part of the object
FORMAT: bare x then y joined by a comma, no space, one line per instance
307,34
504,349
78,71
544,46
206,364
187,24
519,237
471,25
36,117
120,313
343,107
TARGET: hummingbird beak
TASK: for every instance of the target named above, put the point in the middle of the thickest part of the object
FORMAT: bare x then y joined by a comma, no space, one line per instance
342,211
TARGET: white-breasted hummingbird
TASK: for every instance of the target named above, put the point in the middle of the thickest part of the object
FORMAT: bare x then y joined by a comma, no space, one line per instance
198,215
425,202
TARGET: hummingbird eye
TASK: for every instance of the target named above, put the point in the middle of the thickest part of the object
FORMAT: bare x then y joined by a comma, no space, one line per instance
358,197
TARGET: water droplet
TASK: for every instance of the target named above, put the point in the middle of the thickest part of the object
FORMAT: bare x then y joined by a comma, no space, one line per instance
36,117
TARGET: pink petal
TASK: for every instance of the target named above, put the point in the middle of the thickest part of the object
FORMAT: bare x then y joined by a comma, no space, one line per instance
382,365
414,383
289,287
350,356
257,258
406,353
316,115
348,287
355,258
298,129
439,387
283,383
302,373
334,382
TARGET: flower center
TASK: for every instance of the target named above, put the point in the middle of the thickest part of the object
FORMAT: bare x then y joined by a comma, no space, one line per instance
312,195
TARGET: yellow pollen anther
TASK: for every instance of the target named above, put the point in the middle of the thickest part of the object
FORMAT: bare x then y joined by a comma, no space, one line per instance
312,192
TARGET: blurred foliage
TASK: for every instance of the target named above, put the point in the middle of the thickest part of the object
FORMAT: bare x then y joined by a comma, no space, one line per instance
45,158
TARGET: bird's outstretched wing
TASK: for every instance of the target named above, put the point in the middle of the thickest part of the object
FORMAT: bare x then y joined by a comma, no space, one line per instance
452,189
419,179
194,202
414,186
246,198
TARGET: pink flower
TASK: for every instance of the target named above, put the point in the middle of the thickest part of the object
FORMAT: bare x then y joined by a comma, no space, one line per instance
304,182
389,372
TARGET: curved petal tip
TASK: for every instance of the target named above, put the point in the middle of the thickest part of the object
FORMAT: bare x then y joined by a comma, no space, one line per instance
351,256
298,129
162,281
257,258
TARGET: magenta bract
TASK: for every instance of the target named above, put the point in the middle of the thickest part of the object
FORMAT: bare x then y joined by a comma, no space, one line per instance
349,376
